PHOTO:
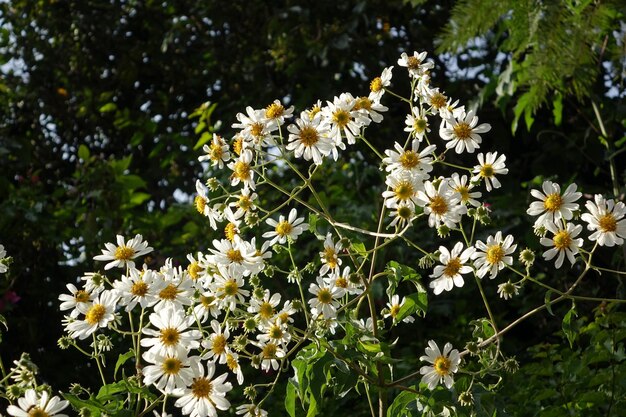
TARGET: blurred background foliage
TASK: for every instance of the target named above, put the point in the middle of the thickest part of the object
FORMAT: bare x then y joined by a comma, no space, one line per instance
96,137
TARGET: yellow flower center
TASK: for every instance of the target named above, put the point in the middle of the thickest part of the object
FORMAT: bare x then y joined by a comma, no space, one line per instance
553,202
238,145
37,412
234,255
394,310
283,228
376,85
81,296
201,388
194,270
413,63
314,110
562,240
363,103
256,129
409,159
124,253
419,125
341,282
486,171
244,203
404,212
168,293
330,256
274,111
219,344
206,301
230,231
269,350
231,288
309,136
216,151
171,366
139,289
438,205
452,267
607,223
438,100
231,362
462,130
341,118
325,296
200,204
464,192
275,332
266,310
241,170
404,190
169,336
284,317
442,365
95,314
494,253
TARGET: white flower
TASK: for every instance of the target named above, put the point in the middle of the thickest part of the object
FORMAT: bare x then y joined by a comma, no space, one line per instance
351,284
265,308
122,255
204,396
563,242
343,119
245,202
228,288
442,205
463,132
277,113
34,404
508,289
403,188
242,170
251,410
443,365
201,202
275,332
217,344
98,314
75,298
283,229
270,354
490,165
217,152
417,123
411,160
238,254
173,287
415,63
453,265
393,306
553,206
369,110
402,214
325,301
256,128
461,186
232,361
169,372
137,288
494,255
171,335
378,84
309,138
330,260
605,221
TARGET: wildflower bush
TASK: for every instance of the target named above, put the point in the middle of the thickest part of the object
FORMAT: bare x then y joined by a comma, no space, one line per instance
303,300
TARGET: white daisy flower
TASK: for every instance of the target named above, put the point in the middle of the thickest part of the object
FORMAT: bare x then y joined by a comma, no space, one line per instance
264,309
171,335
442,205
270,354
453,265
245,202
291,228
326,298
461,186
121,256
401,213
490,165
206,305
605,221
255,127
228,287
34,404
174,288
250,410
242,170
553,206
370,110
508,289
201,201
393,308
463,133
403,188
378,84
308,138
98,314
275,332
413,161
232,362
217,152
72,300
169,373
277,113
443,365
563,242
494,255
138,287
205,395
417,123
217,343
416,63
350,283
343,119
93,282
238,253
330,260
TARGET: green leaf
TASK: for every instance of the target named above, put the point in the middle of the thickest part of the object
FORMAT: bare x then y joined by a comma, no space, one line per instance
83,152
107,392
138,199
398,407
313,218
107,108
570,326
290,399
359,248
204,138
548,302
121,360
416,302
557,109
131,182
